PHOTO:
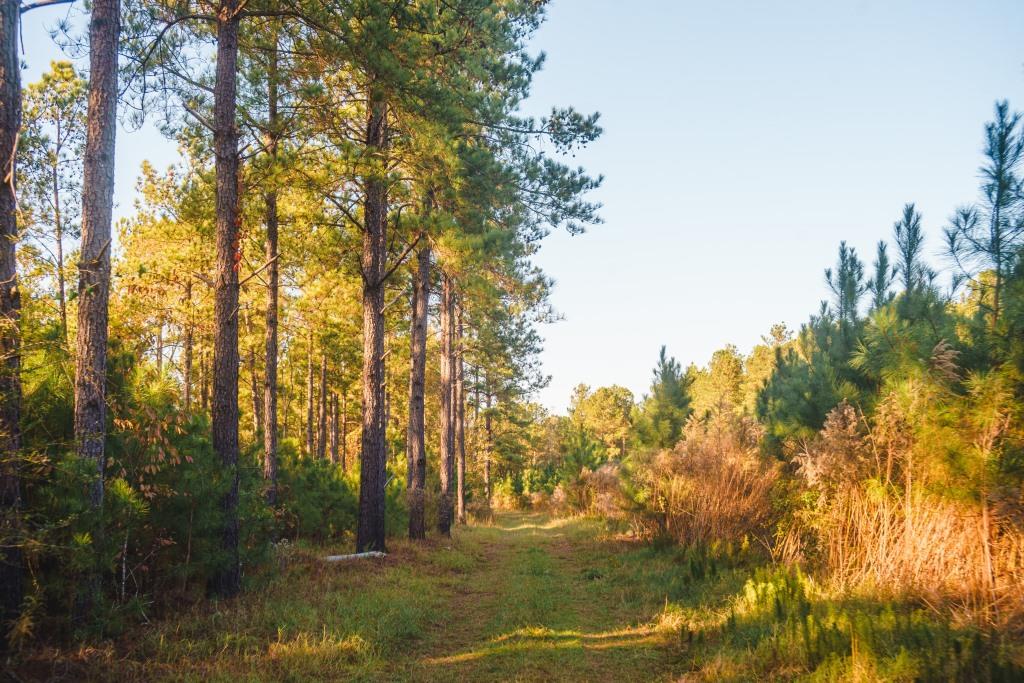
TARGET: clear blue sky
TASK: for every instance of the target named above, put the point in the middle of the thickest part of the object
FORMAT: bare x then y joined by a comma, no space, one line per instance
743,140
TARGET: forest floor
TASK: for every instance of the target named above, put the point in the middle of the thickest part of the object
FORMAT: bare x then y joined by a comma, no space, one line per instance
534,598
526,598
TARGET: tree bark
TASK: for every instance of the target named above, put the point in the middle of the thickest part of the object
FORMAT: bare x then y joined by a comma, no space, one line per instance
58,229
415,437
310,432
226,581
334,428
270,334
204,389
189,350
11,562
289,394
254,381
459,408
373,470
447,449
344,431
321,431
488,445
94,268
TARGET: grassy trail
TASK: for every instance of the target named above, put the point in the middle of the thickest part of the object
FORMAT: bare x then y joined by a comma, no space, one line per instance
528,598
537,605
531,598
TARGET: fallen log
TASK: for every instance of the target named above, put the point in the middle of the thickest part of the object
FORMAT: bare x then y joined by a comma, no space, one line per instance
354,556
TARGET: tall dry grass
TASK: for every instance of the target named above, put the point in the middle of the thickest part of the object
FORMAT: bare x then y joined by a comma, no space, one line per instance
713,487
901,504
943,552
890,515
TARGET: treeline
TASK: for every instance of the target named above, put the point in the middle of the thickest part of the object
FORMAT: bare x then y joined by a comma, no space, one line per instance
881,446
319,325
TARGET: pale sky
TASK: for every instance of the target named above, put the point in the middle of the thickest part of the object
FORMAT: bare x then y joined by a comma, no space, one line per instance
743,140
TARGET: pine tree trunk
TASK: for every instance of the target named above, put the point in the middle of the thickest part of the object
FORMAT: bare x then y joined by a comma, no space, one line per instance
270,362
321,432
226,581
254,381
415,437
160,349
459,398
344,431
11,564
188,363
310,431
58,229
334,428
373,472
94,267
447,447
186,379
488,445
270,338
204,389
289,394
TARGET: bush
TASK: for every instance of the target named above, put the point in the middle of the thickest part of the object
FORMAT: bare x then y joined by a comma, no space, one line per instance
714,486
315,499
888,508
508,495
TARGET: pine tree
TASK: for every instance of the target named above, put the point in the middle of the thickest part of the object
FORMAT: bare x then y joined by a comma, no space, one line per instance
846,282
227,581
94,264
881,281
50,171
914,274
989,235
417,460
664,411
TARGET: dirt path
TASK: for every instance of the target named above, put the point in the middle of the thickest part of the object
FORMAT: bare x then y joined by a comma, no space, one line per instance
541,602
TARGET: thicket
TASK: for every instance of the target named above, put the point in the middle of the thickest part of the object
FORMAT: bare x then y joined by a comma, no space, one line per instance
880,448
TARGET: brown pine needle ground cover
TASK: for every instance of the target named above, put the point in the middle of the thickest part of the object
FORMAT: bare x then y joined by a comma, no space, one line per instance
531,598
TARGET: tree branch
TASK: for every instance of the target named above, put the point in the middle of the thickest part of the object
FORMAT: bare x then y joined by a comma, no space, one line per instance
42,3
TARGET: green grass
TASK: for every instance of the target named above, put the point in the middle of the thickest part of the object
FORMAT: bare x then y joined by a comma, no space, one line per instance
531,598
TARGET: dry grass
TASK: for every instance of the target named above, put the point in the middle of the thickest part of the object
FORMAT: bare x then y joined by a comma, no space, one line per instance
880,525
532,598
713,487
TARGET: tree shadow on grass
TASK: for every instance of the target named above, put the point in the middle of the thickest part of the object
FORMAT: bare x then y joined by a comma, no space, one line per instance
523,646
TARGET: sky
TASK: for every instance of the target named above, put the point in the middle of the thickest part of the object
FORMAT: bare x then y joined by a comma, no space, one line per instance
743,140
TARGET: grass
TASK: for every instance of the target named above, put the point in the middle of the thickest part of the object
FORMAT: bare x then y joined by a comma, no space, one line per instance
530,598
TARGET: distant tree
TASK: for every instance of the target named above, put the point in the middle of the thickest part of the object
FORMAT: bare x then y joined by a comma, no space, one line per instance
718,386
664,411
811,376
417,454
606,413
846,281
50,169
880,284
914,274
760,364
446,470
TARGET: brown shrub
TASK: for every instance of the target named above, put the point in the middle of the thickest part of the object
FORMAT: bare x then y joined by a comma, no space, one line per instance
886,517
714,486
